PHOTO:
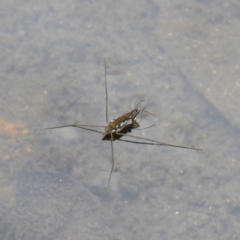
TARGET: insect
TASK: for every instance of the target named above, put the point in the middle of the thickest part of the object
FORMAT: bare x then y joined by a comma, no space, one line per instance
120,127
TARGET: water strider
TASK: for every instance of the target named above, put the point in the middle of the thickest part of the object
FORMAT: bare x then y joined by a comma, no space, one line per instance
120,127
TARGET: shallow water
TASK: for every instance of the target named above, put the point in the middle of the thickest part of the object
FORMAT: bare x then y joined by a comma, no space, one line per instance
181,58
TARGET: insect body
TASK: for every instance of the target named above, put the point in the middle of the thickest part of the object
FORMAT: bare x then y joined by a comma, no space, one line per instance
116,125
120,127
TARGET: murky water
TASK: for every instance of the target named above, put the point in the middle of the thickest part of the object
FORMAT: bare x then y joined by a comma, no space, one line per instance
181,58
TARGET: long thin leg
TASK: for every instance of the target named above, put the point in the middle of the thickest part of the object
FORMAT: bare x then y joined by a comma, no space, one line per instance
157,143
112,159
77,126
152,142
144,143
106,92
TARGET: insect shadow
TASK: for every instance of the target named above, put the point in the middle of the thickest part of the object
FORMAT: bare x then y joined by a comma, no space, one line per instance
121,126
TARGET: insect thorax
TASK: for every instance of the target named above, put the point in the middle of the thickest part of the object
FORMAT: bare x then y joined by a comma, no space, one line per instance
116,125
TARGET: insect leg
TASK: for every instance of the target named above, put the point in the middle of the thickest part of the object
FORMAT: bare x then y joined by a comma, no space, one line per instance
78,126
106,92
158,143
112,159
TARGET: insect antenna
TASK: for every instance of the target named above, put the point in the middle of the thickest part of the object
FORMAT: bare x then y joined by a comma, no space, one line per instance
143,110
139,103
